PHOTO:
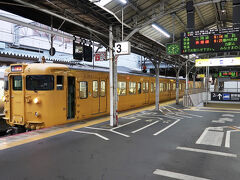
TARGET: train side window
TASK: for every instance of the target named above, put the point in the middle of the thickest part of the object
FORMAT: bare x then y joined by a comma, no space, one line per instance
174,86
151,88
60,81
95,89
180,86
154,87
132,87
122,88
161,87
146,87
139,88
17,83
5,83
103,89
83,87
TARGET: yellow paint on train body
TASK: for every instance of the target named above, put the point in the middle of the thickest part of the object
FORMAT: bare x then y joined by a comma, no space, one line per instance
43,95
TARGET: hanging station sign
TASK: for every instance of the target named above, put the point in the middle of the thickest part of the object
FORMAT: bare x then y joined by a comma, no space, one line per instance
208,41
123,48
218,62
101,56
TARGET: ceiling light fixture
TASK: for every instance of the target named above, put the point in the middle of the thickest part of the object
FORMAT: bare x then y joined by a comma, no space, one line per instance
157,27
123,1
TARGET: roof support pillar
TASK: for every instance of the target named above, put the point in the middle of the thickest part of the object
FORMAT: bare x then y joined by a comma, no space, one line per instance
157,86
177,87
112,81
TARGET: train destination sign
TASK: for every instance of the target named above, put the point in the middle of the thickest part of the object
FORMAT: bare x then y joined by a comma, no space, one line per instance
205,41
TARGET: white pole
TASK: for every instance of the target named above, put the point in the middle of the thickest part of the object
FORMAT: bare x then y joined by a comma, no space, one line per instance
122,23
157,86
111,71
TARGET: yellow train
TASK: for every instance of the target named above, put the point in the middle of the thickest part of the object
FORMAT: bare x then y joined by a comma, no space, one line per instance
43,94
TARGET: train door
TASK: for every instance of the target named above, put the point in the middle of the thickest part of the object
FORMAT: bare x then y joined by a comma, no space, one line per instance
103,96
95,97
71,98
146,93
16,99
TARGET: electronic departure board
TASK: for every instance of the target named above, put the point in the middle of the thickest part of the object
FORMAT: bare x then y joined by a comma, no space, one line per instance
205,41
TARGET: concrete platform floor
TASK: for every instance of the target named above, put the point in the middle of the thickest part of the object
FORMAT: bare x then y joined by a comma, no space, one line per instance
175,143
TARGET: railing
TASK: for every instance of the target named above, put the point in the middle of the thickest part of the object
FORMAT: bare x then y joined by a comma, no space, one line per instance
237,90
193,97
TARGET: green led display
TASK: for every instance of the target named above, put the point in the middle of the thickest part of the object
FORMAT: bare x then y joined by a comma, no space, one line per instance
173,49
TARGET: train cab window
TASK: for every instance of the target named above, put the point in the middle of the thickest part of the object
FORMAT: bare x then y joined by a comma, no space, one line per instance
151,88
17,83
95,89
139,88
103,89
60,81
161,89
83,88
40,82
146,87
132,87
5,83
122,88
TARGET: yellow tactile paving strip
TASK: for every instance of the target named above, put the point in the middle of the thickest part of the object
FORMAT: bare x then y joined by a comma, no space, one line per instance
19,139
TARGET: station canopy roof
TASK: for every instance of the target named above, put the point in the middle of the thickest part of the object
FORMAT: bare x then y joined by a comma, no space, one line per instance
86,19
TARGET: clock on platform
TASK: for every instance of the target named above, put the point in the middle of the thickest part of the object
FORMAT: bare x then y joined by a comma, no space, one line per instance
173,49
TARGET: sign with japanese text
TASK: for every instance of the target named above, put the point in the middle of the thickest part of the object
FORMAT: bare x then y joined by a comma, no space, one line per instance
214,40
218,62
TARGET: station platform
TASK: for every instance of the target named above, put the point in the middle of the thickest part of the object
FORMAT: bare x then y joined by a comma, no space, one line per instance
198,143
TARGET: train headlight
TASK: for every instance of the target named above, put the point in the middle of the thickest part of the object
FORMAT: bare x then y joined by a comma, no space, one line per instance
37,114
36,100
3,98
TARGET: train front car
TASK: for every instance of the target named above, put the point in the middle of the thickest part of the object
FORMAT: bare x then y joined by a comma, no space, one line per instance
35,95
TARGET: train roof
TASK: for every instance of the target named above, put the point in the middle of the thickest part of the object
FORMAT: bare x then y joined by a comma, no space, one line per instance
43,67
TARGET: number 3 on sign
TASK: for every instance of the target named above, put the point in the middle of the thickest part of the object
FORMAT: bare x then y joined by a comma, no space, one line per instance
122,48
119,48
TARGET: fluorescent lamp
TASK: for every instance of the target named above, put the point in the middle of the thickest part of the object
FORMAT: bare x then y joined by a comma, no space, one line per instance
123,1
160,30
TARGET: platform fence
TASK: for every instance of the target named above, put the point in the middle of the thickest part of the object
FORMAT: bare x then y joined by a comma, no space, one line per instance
194,97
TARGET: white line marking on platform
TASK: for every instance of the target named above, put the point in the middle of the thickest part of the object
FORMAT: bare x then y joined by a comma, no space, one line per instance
228,137
116,132
109,130
202,136
228,115
166,128
96,134
176,175
213,138
126,124
144,127
172,117
207,152
227,140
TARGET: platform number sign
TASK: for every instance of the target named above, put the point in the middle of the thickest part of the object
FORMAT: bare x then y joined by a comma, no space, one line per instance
122,48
